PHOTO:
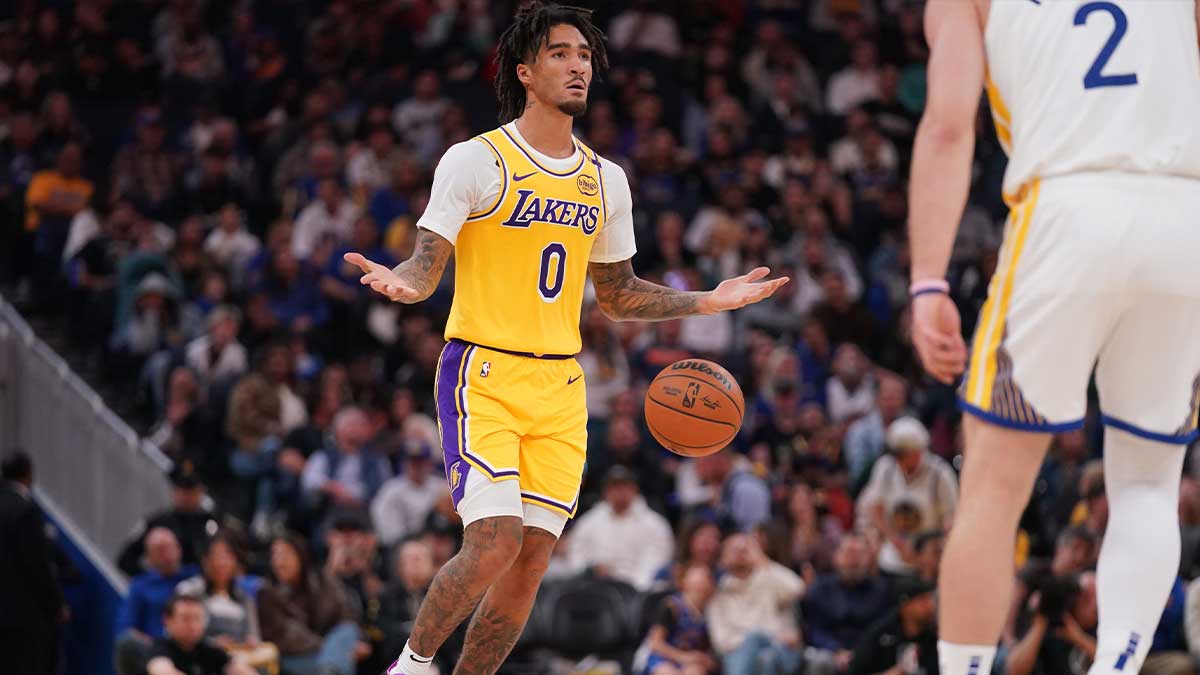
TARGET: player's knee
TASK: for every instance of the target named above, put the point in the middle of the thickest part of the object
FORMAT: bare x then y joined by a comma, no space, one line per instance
493,543
536,549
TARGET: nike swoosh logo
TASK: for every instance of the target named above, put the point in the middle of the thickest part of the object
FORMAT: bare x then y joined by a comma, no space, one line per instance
518,179
572,380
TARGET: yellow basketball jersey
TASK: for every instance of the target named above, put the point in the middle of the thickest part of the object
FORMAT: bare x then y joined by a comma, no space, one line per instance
521,263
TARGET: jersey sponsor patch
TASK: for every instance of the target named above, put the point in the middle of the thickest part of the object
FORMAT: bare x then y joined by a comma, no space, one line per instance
587,185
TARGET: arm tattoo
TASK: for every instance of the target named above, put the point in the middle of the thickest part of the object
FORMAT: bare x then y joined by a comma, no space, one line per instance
423,269
623,297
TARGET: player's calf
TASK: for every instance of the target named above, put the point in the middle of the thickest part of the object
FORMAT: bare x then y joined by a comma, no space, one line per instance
489,548
506,607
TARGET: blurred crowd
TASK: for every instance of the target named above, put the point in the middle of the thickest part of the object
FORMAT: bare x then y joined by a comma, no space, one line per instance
180,178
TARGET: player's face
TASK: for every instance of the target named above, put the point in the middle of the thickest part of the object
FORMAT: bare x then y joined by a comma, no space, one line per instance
562,72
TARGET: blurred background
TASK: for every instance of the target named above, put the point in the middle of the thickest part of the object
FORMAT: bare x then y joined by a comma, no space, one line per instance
206,403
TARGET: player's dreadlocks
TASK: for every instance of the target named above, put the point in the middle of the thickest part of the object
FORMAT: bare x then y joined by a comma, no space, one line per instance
522,40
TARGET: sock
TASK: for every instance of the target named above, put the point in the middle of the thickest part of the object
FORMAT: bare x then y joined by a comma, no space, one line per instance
956,659
1139,560
410,663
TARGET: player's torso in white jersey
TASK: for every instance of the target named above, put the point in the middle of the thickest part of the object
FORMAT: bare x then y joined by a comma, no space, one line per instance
1081,86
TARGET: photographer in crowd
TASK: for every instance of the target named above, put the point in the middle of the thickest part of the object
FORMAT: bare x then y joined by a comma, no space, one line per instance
1059,636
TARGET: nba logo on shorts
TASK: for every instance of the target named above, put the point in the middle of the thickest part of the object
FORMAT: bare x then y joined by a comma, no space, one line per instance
689,396
455,476
487,368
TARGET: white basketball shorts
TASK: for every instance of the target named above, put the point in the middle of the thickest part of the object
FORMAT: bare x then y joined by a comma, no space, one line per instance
1097,270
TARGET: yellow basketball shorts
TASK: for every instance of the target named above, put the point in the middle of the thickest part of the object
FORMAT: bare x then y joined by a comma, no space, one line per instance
513,418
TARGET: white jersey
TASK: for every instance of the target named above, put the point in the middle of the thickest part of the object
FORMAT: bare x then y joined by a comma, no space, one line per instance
1100,85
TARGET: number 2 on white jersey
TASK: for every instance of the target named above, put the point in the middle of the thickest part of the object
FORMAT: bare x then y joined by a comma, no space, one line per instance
1095,77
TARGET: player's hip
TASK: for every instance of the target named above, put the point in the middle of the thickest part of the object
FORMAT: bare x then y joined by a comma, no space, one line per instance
523,394
1099,233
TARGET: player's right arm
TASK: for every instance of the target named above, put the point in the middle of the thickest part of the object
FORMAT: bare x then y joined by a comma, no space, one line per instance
941,173
465,175
412,280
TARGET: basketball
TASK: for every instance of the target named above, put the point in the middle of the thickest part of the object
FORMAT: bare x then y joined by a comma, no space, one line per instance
694,407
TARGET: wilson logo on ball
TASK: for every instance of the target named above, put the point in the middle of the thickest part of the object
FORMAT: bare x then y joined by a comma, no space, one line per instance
703,368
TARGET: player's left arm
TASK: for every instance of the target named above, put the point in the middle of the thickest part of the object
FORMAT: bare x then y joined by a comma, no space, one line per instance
623,296
941,173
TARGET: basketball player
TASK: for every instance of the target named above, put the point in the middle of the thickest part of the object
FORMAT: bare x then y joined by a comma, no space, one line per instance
528,211
1096,103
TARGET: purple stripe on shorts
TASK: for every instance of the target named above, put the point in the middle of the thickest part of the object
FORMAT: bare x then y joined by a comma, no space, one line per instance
449,371
551,502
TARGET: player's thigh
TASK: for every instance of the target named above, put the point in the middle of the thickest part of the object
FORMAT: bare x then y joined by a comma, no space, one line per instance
1046,316
552,464
551,473
479,437
1148,375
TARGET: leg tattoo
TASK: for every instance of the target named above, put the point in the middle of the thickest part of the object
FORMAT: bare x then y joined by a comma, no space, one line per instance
505,609
489,547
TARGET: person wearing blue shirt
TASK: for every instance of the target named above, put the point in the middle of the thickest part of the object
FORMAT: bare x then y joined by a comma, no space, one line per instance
140,619
840,606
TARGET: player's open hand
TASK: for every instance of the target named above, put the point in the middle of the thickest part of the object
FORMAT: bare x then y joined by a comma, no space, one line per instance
744,290
382,280
937,335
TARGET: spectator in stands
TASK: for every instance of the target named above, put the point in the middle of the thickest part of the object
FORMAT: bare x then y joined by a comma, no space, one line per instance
699,543
217,356
1060,627
845,319
813,531
140,619
189,519
53,198
306,614
1075,552
911,477
228,595
418,119
622,516
145,170
331,213
184,432
678,638
866,437
857,83
739,497
904,641
850,393
292,294
230,244
840,606
414,571
367,170
31,602
153,323
752,617
253,422
350,561
404,502
183,651
643,29
927,550
348,473
604,362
